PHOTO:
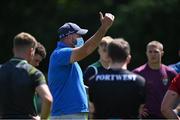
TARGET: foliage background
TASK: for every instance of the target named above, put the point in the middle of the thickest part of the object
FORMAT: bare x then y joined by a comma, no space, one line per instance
138,21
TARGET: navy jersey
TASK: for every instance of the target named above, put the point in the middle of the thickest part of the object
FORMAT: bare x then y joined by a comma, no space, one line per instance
116,93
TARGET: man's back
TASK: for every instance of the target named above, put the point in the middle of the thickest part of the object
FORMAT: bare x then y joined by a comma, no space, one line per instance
18,81
116,94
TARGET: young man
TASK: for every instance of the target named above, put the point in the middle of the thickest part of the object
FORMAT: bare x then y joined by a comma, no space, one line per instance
171,98
101,64
19,80
40,54
117,93
158,77
65,76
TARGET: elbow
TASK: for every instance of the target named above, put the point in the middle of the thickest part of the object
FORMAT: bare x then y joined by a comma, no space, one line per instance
48,99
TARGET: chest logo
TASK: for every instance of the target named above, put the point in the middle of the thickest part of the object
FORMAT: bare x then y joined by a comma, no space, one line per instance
165,81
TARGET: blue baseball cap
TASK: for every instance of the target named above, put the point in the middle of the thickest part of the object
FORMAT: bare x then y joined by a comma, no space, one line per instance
70,28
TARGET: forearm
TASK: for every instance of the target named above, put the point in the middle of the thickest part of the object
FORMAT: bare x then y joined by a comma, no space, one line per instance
167,105
170,114
92,43
89,46
45,109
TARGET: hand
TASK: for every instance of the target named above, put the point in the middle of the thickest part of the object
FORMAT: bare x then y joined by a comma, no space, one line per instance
36,117
143,112
107,20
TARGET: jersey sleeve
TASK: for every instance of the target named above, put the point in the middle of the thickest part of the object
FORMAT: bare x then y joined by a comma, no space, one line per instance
175,84
38,77
88,74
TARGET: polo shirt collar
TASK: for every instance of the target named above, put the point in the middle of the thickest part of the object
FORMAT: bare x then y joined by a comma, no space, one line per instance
61,44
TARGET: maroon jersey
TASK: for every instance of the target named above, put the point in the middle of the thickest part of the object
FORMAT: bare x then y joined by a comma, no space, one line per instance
157,83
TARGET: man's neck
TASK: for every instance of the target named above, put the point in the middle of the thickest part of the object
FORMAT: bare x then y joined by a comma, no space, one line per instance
154,66
105,64
21,57
118,66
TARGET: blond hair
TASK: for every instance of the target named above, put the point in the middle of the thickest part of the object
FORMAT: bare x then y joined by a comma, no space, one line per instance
156,44
107,39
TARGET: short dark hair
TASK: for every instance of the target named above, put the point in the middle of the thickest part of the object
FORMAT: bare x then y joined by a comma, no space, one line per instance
24,40
118,50
40,50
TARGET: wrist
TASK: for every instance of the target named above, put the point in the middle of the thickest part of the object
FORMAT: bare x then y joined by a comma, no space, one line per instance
103,29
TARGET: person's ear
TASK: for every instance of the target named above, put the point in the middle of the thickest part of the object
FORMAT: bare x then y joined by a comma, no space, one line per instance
162,53
109,60
31,51
128,59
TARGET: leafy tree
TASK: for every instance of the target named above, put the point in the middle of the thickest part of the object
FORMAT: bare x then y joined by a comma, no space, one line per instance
138,21
141,21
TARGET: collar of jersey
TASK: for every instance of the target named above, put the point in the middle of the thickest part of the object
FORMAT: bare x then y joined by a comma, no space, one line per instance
19,59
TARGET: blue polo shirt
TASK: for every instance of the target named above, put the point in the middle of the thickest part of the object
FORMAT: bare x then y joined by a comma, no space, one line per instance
65,81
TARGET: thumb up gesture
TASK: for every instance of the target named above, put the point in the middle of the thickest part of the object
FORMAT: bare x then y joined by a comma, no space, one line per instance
106,20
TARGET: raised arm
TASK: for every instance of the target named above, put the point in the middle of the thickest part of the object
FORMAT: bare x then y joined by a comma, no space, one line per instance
92,43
